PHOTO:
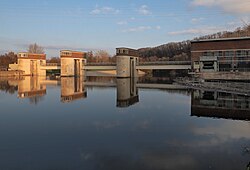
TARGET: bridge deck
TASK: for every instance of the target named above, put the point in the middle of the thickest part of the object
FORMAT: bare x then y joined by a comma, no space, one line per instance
163,65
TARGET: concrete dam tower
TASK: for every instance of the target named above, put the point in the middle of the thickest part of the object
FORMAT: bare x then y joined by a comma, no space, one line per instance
126,61
72,63
31,64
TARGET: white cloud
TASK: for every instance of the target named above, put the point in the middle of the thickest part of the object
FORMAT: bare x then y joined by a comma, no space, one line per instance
138,29
144,10
198,31
104,10
196,20
122,23
158,27
142,28
230,6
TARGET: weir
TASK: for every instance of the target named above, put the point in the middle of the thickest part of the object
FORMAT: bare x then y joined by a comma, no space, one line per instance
73,64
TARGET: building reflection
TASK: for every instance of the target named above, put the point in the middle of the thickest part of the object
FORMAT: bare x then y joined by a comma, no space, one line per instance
8,85
127,92
31,87
72,88
220,105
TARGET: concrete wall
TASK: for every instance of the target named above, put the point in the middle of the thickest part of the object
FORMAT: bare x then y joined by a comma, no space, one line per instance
32,67
123,66
126,66
24,65
225,76
68,66
13,67
11,73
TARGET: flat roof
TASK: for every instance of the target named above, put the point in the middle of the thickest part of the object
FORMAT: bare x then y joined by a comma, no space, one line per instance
221,39
72,51
126,48
30,53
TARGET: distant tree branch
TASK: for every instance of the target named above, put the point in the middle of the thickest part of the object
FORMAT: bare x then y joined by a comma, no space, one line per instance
34,48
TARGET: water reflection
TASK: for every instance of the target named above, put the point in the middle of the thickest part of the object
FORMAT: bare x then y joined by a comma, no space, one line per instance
156,133
220,105
31,87
127,92
72,88
7,86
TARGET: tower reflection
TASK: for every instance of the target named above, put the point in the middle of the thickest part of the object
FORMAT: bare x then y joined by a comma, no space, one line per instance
127,92
72,88
220,105
31,87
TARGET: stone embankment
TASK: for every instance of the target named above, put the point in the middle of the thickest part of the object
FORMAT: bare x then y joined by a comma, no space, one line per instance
11,73
241,88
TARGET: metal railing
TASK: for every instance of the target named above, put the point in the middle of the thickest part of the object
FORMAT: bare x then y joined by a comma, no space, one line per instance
234,69
165,63
3,68
145,63
100,64
51,64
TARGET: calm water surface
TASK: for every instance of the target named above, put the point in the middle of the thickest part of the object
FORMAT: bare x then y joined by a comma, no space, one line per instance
123,124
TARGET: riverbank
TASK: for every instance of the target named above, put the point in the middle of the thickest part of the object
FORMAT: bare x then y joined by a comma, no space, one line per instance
11,73
234,76
241,88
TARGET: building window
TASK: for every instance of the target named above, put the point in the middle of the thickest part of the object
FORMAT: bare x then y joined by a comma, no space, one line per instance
229,53
238,53
208,65
218,53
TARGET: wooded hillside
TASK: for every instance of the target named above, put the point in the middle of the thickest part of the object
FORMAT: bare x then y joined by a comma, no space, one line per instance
181,50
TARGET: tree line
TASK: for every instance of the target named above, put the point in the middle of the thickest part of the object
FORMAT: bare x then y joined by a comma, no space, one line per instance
238,32
167,52
6,59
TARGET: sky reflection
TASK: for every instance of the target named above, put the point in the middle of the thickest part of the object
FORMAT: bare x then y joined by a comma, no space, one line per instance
93,133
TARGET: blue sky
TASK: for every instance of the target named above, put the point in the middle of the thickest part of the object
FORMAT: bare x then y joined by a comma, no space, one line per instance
107,24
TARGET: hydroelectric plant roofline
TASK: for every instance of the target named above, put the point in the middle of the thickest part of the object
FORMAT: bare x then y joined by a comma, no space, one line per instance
221,39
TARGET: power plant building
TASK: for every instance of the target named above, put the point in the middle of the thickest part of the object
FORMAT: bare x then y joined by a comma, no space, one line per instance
221,55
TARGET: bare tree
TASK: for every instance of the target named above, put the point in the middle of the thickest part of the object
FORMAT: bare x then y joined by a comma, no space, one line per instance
35,48
102,56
